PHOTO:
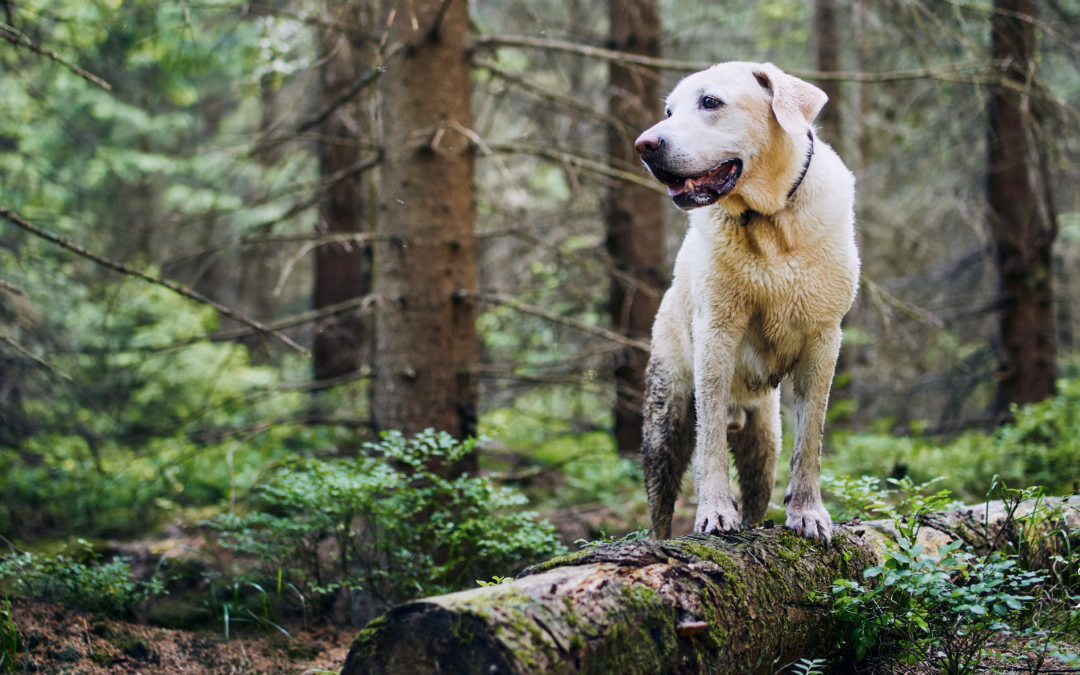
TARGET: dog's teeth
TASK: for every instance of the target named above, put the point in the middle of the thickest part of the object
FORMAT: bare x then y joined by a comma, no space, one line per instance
690,184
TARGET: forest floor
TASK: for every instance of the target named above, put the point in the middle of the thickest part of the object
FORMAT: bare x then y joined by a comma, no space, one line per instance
62,641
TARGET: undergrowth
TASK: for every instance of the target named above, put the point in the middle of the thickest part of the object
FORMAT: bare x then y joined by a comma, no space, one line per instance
384,525
81,580
946,608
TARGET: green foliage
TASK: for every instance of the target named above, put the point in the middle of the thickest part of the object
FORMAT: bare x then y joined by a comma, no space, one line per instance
399,529
940,608
149,434
1041,446
9,639
864,498
640,534
82,581
944,608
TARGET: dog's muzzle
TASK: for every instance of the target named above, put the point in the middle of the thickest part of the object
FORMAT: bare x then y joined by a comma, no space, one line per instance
691,192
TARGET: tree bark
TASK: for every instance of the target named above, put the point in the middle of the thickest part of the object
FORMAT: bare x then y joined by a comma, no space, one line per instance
828,60
698,604
1021,218
342,271
634,214
426,343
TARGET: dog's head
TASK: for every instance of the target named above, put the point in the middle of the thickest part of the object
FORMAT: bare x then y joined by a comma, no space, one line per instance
723,125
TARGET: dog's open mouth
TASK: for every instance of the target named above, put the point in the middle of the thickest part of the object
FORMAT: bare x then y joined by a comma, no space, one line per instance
691,192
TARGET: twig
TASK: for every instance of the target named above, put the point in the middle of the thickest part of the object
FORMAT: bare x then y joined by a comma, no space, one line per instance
560,99
15,37
12,289
30,355
567,158
339,100
918,313
325,384
365,303
433,31
233,314
499,299
263,426
496,41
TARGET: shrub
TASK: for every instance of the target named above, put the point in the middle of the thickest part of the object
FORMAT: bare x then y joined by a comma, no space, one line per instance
944,609
1040,446
82,582
387,525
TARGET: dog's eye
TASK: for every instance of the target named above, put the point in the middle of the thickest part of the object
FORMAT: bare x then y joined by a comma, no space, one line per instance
711,103
668,111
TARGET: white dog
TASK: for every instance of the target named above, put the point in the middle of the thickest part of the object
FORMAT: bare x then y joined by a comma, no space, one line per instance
766,273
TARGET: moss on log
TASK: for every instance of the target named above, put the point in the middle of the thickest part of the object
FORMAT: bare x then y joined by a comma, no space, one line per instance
741,603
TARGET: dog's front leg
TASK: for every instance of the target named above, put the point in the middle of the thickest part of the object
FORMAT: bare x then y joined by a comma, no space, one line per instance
714,366
812,378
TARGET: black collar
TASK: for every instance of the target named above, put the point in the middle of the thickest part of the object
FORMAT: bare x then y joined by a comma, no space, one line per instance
749,214
805,166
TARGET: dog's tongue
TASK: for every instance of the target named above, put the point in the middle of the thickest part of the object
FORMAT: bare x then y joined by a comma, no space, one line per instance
715,178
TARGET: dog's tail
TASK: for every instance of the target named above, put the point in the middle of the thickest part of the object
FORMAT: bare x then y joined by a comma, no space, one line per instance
667,441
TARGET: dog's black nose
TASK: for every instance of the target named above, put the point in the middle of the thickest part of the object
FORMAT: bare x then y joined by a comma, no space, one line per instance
648,144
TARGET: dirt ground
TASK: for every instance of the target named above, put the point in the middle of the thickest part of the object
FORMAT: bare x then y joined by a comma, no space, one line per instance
55,640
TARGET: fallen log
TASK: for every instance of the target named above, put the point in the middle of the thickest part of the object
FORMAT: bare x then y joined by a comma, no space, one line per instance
740,603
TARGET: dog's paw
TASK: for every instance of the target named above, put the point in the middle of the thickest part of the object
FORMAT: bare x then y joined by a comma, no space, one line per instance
811,521
713,520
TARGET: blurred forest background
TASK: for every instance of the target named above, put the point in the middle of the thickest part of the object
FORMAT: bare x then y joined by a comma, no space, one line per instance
240,239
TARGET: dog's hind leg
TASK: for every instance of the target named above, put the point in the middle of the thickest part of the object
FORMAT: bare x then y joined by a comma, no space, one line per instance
755,448
668,434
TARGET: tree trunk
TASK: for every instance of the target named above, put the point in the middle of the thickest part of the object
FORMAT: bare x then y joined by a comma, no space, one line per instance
698,604
342,271
426,342
635,216
828,59
1021,218
832,131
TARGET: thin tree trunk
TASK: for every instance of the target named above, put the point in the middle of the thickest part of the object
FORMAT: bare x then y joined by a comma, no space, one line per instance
699,604
635,216
342,271
426,343
1021,218
828,59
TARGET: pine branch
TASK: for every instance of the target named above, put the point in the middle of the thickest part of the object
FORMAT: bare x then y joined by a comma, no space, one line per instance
233,314
15,37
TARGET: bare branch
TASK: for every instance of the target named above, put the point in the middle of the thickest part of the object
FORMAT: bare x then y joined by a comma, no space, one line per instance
590,165
317,385
921,315
15,37
36,359
339,100
500,299
233,314
496,41
15,290
366,304
560,99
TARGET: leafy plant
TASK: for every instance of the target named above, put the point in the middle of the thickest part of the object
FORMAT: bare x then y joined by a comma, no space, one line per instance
82,581
385,524
940,608
636,535
864,498
9,639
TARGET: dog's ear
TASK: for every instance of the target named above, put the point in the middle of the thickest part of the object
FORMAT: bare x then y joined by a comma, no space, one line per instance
794,102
